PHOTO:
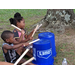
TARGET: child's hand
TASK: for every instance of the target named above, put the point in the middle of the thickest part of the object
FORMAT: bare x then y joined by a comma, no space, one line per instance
30,38
25,44
22,32
26,36
33,30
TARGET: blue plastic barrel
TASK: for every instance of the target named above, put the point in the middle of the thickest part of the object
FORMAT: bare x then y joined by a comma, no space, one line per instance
50,36
42,51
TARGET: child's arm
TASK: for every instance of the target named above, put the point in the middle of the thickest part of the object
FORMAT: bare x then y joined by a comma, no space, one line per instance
21,37
7,47
23,41
30,35
5,63
19,40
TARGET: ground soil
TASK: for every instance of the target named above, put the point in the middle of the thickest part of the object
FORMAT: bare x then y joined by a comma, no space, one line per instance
65,45
68,37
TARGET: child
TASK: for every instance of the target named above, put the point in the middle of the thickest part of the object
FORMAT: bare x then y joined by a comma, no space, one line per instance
18,21
5,63
9,52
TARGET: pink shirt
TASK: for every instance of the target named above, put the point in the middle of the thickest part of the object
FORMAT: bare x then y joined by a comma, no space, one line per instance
17,33
20,34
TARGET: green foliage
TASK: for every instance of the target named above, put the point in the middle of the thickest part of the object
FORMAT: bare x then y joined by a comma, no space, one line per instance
5,14
74,10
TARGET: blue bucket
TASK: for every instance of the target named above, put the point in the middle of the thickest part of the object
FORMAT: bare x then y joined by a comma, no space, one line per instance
49,36
42,51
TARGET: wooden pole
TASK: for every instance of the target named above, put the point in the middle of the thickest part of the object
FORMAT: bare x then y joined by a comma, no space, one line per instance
35,30
28,61
37,27
21,56
15,27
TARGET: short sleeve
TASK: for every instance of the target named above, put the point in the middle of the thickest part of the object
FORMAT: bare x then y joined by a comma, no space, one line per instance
4,44
15,33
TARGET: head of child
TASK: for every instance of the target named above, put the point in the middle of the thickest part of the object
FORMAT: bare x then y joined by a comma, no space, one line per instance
7,36
18,20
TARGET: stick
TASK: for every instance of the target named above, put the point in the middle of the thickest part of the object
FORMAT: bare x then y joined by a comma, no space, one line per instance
34,30
15,27
37,27
25,52
21,56
28,61
34,41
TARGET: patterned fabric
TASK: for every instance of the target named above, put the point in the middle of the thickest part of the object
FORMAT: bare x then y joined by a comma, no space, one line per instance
11,55
17,34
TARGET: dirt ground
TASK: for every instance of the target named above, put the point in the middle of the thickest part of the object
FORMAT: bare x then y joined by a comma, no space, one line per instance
67,37
65,46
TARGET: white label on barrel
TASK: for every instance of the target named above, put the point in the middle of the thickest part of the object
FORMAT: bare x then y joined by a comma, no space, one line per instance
45,53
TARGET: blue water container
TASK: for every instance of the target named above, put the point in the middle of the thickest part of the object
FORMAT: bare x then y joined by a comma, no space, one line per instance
42,51
50,36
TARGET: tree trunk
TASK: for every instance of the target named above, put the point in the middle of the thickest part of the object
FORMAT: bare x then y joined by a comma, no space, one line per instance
56,20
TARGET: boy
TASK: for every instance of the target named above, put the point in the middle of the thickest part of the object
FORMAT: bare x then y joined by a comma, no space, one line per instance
9,52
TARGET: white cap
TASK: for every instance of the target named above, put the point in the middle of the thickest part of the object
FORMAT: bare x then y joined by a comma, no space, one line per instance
64,58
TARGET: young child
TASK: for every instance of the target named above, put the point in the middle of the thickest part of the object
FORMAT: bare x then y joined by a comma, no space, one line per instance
5,63
9,52
19,21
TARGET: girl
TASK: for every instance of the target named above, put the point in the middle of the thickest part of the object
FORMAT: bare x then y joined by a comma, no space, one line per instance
19,21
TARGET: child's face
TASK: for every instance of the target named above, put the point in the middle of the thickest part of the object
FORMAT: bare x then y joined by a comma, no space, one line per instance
11,39
21,24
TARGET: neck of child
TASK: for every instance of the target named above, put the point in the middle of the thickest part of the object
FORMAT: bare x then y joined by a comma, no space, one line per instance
19,30
8,42
18,27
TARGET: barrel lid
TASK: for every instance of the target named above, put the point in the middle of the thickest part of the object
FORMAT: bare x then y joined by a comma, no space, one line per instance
46,34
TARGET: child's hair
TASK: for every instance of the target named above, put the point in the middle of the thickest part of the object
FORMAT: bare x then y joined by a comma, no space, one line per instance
6,35
17,18
17,15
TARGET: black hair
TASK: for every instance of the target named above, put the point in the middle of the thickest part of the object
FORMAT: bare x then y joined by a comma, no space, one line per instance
17,15
12,21
17,18
6,35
